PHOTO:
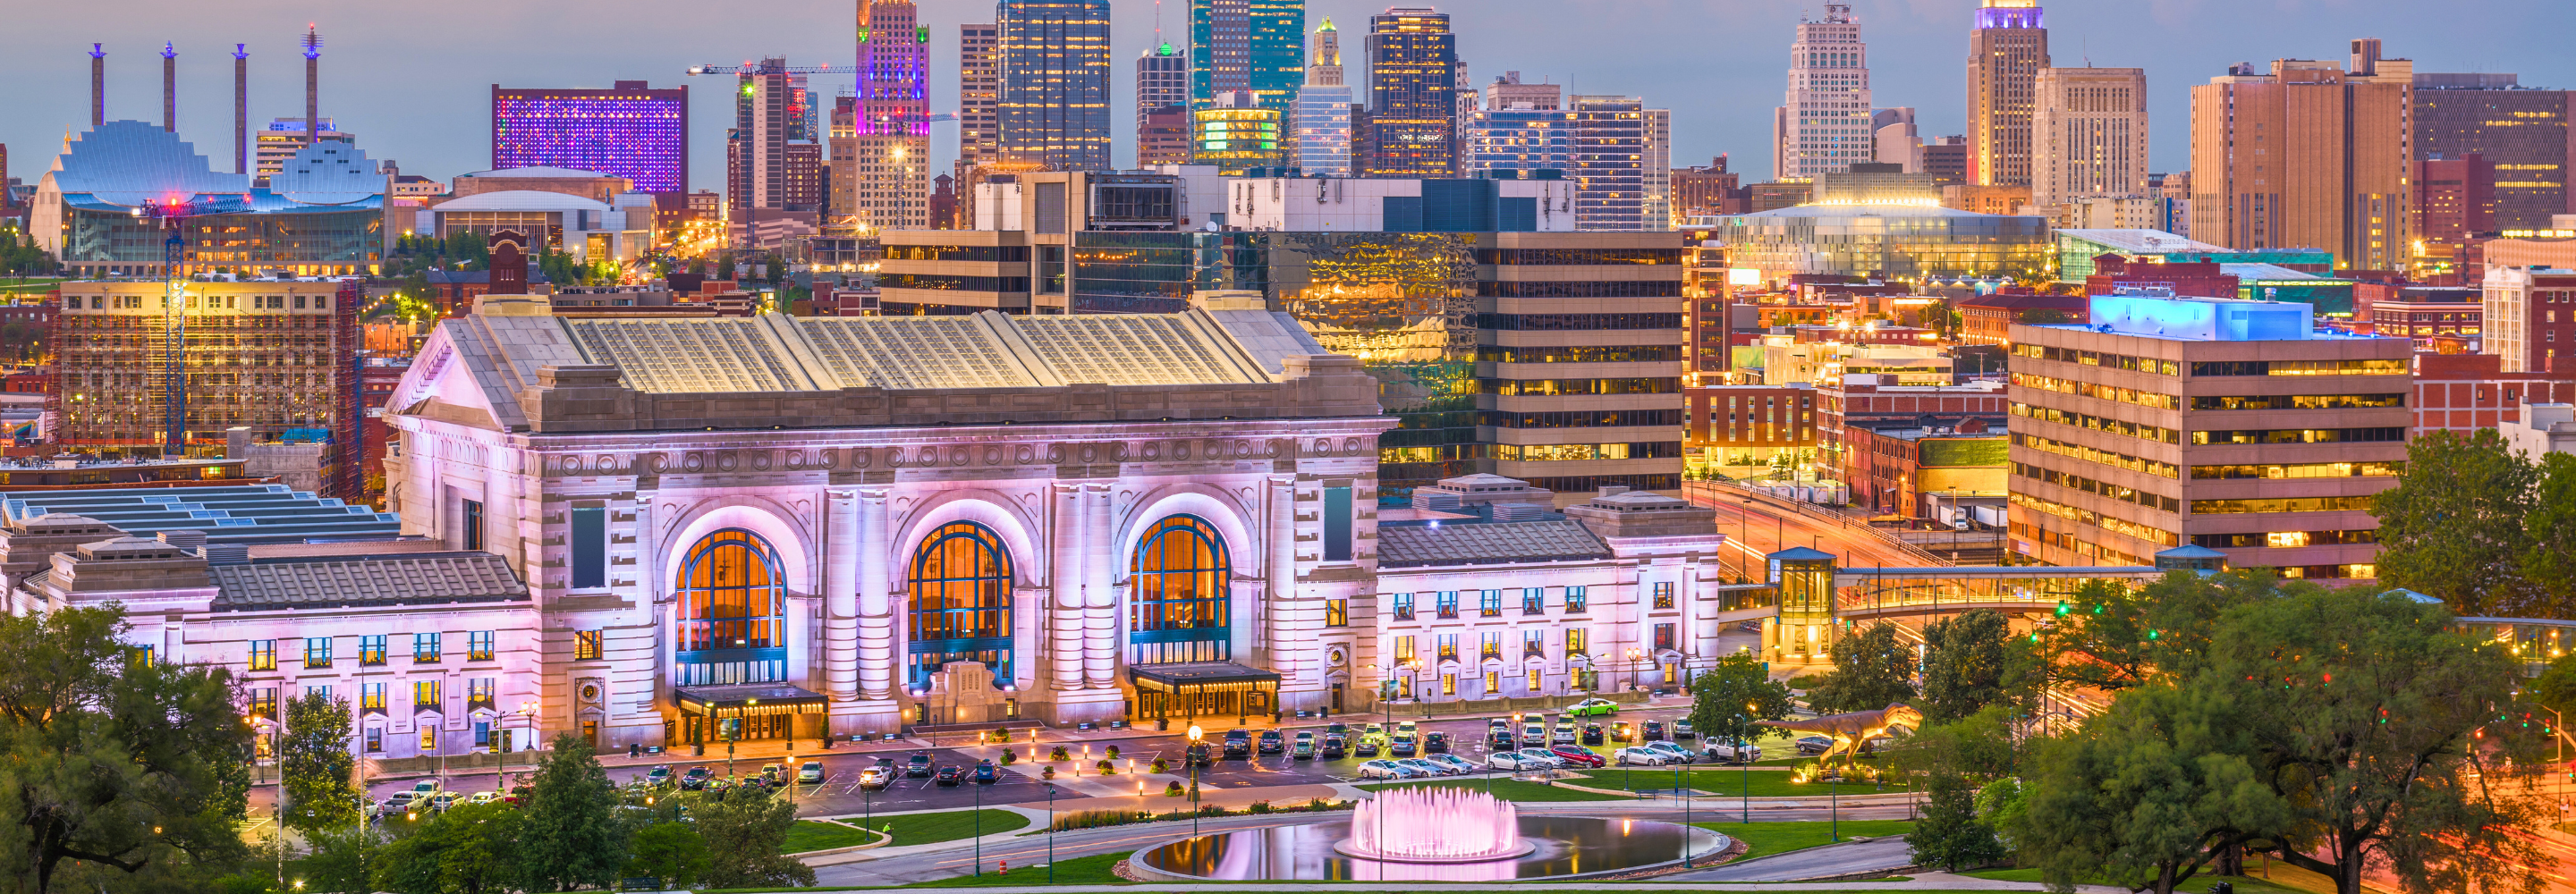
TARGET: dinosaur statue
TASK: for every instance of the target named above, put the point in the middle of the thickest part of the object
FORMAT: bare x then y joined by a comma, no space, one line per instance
1849,730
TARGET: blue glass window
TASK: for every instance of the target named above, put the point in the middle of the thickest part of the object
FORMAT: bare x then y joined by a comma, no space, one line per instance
961,602
1179,609
732,624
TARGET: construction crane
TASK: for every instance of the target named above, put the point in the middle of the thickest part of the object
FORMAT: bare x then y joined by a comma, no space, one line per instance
757,68
172,218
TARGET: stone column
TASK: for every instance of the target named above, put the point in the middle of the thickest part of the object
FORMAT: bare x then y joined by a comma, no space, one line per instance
1292,644
876,615
1701,579
1099,601
841,593
1066,626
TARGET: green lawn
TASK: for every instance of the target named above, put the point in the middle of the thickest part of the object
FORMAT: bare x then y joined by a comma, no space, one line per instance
1726,781
931,828
2198,884
1765,839
1508,789
1092,870
808,835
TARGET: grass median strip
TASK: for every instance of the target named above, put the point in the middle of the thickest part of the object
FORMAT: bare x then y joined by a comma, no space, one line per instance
1723,781
1506,789
809,835
932,828
1765,839
1091,870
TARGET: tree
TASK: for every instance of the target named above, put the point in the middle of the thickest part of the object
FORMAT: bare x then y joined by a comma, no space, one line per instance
470,849
2548,560
2111,637
313,758
744,833
2144,796
339,859
672,852
1728,698
570,836
114,766
1971,661
1949,833
1872,669
2452,528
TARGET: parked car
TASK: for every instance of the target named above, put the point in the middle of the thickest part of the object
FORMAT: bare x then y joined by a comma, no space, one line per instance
1734,754
1373,733
918,767
1592,734
1815,745
1623,731
718,786
1564,734
1366,748
1641,757
986,775
1652,731
1238,744
1533,733
1336,747
1498,734
875,778
443,800
479,798
1593,707
1303,749
696,779
1428,768
1578,755
399,801
770,772
1683,730
1455,763
1516,760
1678,753
949,775
658,776
1271,741
1541,754
1435,743
810,772
1384,769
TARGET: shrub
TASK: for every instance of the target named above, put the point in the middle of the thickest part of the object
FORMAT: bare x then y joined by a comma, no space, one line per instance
1113,752
1059,754
1009,756
1173,788
1161,767
1094,819
1046,773
1108,769
1260,807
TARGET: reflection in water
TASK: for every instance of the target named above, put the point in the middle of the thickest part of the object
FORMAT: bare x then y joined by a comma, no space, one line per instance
1567,845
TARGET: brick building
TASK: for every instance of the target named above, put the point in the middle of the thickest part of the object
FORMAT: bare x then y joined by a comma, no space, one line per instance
2529,315
1988,319
1865,400
2466,392
1749,425
2196,279
2422,313
1906,471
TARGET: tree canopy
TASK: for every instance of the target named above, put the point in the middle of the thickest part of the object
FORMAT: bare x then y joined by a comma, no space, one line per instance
2454,527
1728,698
1872,669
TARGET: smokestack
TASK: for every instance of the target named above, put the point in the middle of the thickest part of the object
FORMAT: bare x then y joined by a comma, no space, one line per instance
170,87
97,85
312,85
241,108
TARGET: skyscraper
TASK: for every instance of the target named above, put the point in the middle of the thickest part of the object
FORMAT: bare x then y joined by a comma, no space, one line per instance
1825,126
1255,45
2523,132
2089,131
979,88
1658,169
2005,53
629,130
891,167
1054,103
1162,79
2305,156
1322,116
773,157
1609,163
1412,122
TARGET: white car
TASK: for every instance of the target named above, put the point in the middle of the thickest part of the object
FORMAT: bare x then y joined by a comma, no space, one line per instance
1455,763
1564,734
1428,768
1672,753
1516,760
1734,753
1386,769
1542,758
1640,757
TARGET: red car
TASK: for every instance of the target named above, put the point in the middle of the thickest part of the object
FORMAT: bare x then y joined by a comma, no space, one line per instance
1578,756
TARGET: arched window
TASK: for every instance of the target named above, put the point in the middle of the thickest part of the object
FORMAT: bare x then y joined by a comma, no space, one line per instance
732,623
961,602
1178,610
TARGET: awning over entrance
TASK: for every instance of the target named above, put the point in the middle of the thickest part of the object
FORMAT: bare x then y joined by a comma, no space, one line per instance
1203,689
748,700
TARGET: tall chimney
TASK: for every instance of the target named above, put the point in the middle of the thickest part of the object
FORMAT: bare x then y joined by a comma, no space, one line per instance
312,86
170,87
241,108
97,85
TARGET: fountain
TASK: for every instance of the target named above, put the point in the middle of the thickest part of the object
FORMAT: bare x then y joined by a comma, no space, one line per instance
1435,825
1431,834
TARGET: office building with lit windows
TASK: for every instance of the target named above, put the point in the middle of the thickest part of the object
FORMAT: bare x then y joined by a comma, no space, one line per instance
1412,119
1052,108
629,130
1247,45
2226,424
1914,242
833,524
1237,134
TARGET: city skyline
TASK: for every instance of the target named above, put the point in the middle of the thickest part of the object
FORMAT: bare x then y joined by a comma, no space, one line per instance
429,110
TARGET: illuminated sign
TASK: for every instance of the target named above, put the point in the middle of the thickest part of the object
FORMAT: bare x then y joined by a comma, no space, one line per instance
1743,276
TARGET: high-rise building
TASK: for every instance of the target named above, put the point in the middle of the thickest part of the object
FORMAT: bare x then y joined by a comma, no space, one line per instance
1518,140
1507,92
283,138
1162,79
1322,115
2089,135
1413,84
1238,134
1825,126
629,130
1609,163
774,156
1164,138
979,88
2524,133
2455,202
1707,191
2308,155
891,167
2237,427
1658,168
1946,159
1254,45
1054,104
2525,312
2005,53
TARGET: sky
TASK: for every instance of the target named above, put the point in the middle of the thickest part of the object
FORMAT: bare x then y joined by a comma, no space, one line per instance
413,81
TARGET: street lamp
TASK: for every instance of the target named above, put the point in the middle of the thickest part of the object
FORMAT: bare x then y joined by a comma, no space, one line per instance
1050,787
1190,757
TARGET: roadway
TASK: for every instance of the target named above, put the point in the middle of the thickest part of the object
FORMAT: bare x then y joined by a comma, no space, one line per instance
1755,528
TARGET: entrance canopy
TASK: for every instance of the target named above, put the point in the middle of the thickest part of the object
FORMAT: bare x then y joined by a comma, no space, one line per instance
748,700
1203,688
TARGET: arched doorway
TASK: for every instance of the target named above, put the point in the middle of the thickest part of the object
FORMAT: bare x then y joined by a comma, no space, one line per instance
1179,609
732,613
961,603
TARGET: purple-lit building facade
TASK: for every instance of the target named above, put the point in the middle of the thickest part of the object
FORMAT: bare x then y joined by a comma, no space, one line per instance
629,131
890,165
